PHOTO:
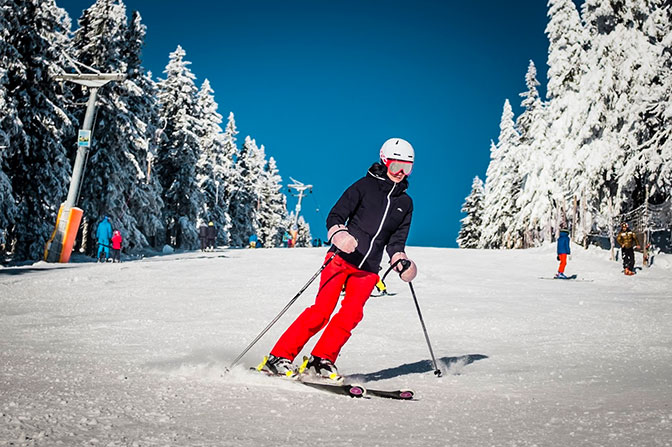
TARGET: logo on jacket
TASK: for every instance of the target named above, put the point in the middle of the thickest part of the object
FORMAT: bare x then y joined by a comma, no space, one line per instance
400,210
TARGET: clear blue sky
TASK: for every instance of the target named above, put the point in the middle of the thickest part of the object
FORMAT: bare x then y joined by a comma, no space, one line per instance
323,84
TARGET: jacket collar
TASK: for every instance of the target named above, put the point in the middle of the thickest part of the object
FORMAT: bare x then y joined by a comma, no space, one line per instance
379,172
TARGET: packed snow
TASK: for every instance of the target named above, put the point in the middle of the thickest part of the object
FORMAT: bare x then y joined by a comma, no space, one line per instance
136,354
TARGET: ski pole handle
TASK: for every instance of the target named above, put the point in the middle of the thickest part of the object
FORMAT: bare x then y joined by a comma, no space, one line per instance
405,264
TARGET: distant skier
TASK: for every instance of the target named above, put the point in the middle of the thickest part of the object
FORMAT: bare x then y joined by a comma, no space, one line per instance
203,236
116,246
372,214
252,241
286,239
627,239
211,234
563,252
104,234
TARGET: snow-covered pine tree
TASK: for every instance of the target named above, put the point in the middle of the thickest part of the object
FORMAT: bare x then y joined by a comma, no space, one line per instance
566,54
226,163
502,185
303,237
179,152
145,203
565,110
652,164
246,201
620,71
115,183
35,124
470,231
535,205
214,167
8,55
273,209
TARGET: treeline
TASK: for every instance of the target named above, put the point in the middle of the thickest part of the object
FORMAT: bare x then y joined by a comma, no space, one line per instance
160,163
599,145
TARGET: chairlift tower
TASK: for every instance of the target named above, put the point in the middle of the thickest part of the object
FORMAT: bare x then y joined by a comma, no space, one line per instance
59,246
300,189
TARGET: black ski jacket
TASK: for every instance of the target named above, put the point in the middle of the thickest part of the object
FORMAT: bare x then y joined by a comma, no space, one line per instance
378,213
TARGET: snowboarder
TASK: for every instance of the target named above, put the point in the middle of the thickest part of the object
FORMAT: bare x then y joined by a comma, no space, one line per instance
104,233
211,234
563,252
373,214
203,236
116,246
627,239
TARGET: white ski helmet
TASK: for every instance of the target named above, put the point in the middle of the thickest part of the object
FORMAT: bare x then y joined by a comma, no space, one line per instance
397,149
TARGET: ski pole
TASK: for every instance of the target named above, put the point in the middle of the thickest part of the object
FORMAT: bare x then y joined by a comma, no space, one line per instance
382,280
282,312
437,372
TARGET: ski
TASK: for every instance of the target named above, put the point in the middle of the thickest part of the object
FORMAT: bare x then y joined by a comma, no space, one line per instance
344,389
391,394
569,278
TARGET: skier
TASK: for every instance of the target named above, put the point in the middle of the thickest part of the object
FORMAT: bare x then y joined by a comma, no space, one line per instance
563,252
116,246
627,239
203,236
373,214
211,234
104,233
252,241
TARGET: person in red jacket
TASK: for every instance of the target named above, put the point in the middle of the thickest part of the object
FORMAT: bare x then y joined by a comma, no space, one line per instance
116,246
372,215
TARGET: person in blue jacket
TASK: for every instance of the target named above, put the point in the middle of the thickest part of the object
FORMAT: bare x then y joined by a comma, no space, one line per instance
104,234
563,252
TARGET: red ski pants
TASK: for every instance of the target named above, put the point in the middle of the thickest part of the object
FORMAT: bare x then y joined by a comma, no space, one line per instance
358,287
563,262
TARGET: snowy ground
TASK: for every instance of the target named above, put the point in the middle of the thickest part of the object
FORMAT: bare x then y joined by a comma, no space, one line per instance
133,353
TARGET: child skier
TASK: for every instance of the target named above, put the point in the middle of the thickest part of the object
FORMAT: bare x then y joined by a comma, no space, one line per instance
563,252
372,214
116,246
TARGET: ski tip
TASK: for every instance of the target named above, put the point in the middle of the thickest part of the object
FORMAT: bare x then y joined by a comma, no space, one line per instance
406,394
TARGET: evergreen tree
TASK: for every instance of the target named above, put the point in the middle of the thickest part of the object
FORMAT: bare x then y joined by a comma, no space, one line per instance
116,182
531,103
534,202
273,209
145,203
226,163
470,232
246,201
8,55
214,167
602,137
303,236
35,126
652,164
179,152
501,186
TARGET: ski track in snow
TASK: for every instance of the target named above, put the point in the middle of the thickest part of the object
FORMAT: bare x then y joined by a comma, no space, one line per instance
134,354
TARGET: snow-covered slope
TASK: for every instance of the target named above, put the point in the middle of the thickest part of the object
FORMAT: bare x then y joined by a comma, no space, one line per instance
135,353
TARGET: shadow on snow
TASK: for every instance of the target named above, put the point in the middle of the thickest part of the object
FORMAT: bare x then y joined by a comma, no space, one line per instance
423,366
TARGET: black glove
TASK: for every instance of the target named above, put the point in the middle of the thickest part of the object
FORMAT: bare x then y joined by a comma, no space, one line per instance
558,257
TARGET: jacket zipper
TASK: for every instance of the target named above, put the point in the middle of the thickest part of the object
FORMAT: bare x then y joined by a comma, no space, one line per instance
373,239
